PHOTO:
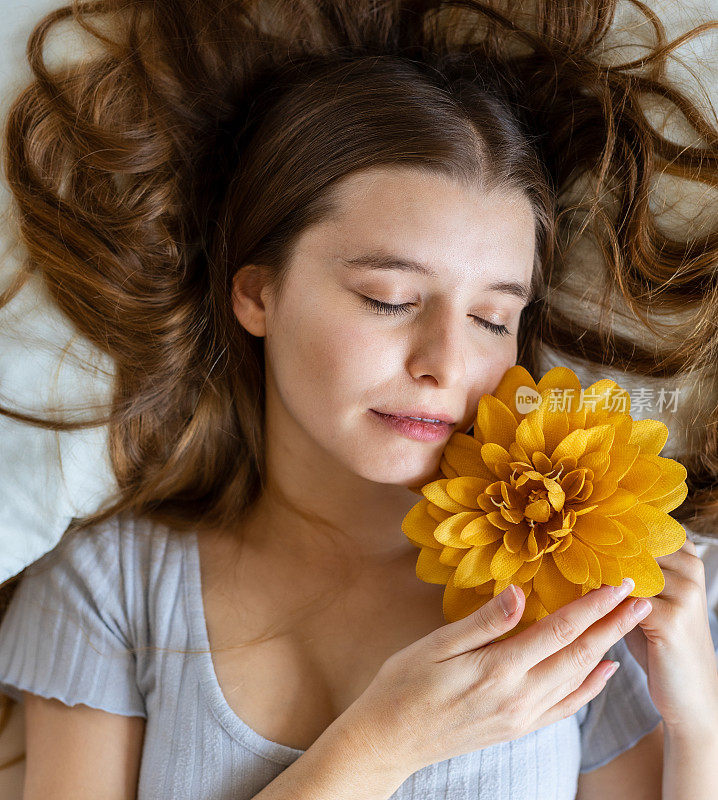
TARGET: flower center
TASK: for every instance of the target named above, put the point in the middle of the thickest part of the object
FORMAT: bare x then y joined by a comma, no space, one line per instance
536,503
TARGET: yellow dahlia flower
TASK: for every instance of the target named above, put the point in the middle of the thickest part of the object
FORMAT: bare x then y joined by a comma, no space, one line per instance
560,499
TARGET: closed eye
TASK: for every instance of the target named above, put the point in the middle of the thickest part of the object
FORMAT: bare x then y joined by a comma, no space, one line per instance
388,308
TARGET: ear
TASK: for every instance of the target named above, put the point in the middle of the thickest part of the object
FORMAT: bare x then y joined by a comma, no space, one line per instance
247,301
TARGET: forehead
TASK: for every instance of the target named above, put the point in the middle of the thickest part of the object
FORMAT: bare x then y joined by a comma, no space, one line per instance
431,219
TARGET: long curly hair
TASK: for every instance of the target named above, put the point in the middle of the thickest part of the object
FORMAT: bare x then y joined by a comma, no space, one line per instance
201,137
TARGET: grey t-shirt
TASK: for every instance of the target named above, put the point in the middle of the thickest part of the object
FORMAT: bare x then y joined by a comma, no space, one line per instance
103,619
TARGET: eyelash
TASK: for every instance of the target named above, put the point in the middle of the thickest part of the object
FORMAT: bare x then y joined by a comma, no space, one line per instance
387,308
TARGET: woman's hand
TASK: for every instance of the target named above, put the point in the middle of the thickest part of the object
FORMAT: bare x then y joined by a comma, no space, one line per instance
673,645
457,689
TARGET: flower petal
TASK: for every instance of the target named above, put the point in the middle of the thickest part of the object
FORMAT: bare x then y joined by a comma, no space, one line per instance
572,483
556,496
665,534
572,445
596,529
594,563
463,454
528,570
466,490
573,564
671,501
643,473
541,462
515,537
598,462
495,422
633,522
481,531
553,589
622,458
534,609
604,488
630,544
504,563
514,378
611,571
529,434
475,566
598,398
538,511
451,555
555,428
496,518
646,573
517,453
650,435
497,460
436,513
561,378
599,438
447,470
486,503
448,532
429,569
418,525
618,503
436,493
673,474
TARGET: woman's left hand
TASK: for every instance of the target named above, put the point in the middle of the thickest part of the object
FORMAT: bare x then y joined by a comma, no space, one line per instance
673,645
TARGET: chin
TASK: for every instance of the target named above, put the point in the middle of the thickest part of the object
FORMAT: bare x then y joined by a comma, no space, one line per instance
399,477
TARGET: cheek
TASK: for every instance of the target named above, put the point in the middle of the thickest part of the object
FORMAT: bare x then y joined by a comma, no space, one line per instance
326,364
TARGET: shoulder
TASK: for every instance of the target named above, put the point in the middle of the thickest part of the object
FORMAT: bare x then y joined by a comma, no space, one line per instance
113,569
77,620
90,547
120,545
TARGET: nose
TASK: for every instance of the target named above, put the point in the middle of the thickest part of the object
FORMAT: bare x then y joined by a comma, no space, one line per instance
439,345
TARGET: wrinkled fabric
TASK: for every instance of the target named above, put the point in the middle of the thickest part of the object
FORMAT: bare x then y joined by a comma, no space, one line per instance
98,619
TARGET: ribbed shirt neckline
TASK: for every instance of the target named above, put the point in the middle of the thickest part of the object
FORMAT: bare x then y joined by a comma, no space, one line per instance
236,727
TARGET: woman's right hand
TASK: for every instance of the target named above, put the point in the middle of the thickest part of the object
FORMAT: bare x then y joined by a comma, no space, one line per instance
457,690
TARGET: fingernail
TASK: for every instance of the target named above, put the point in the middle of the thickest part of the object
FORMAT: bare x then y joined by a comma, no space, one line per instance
641,608
625,588
508,600
610,670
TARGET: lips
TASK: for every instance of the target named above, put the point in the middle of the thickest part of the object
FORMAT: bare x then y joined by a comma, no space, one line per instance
441,416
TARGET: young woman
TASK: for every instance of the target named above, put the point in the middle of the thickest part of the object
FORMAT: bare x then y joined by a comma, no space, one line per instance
291,226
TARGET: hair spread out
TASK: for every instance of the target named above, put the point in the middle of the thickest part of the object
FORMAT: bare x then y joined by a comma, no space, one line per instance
200,137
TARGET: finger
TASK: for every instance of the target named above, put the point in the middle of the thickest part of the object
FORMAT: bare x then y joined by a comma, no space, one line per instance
488,622
690,547
688,568
559,629
675,588
687,549
569,667
676,560
589,688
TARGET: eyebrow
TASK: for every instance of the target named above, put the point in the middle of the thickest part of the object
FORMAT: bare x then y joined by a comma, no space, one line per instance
381,260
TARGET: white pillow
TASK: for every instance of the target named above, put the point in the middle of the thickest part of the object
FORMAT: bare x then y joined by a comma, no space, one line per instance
47,478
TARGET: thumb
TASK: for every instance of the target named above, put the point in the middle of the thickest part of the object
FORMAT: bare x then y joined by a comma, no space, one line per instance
497,616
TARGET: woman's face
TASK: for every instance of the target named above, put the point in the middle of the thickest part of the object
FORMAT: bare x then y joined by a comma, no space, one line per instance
331,358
